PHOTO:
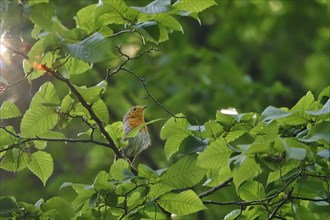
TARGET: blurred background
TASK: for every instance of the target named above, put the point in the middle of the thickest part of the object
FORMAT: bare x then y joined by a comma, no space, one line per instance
244,54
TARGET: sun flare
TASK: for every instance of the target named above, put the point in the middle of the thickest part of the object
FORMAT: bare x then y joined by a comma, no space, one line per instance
3,49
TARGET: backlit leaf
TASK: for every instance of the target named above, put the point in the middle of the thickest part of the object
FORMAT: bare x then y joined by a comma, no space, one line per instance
9,110
194,6
245,169
184,173
41,165
215,156
175,126
41,15
184,203
118,168
38,120
252,190
46,96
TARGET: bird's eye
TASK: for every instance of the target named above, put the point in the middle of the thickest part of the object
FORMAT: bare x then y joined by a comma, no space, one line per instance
134,109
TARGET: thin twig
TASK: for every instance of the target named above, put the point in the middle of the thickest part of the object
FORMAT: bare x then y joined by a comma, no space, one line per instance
122,32
64,140
255,202
222,185
127,59
288,197
144,84
88,107
311,199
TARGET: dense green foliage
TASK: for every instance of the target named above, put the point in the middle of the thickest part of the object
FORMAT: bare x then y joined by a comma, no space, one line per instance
273,164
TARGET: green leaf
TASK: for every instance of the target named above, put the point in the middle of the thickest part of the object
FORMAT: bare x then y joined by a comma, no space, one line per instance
215,176
173,143
37,59
33,2
101,110
146,172
215,156
324,94
92,49
15,160
184,173
41,15
294,149
92,94
74,66
184,203
46,96
325,154
51,42
234,134
84,194
41,165
323,111
285,169
318,132
233,214
67,103
116,133
101,180
158,189
118,168
265,131
5,137
111,199
63,209
157,6
85,18
8,206
245,168
36,121
136,197
299,115
163,34
303,212
165,20
175,126
252,190
212,130
150,31
193,6
110,14
259,147
33,210
226,121
53,134
271,113
9,110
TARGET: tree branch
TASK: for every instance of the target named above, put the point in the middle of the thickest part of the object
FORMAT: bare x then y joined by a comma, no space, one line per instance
222,185
311,199
288,197
144,84
68,140
99,123
122,32
256,202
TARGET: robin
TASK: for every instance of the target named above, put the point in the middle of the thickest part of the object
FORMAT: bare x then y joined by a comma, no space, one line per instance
133,118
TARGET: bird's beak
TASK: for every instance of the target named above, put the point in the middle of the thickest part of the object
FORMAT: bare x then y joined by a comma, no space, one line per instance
144,107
